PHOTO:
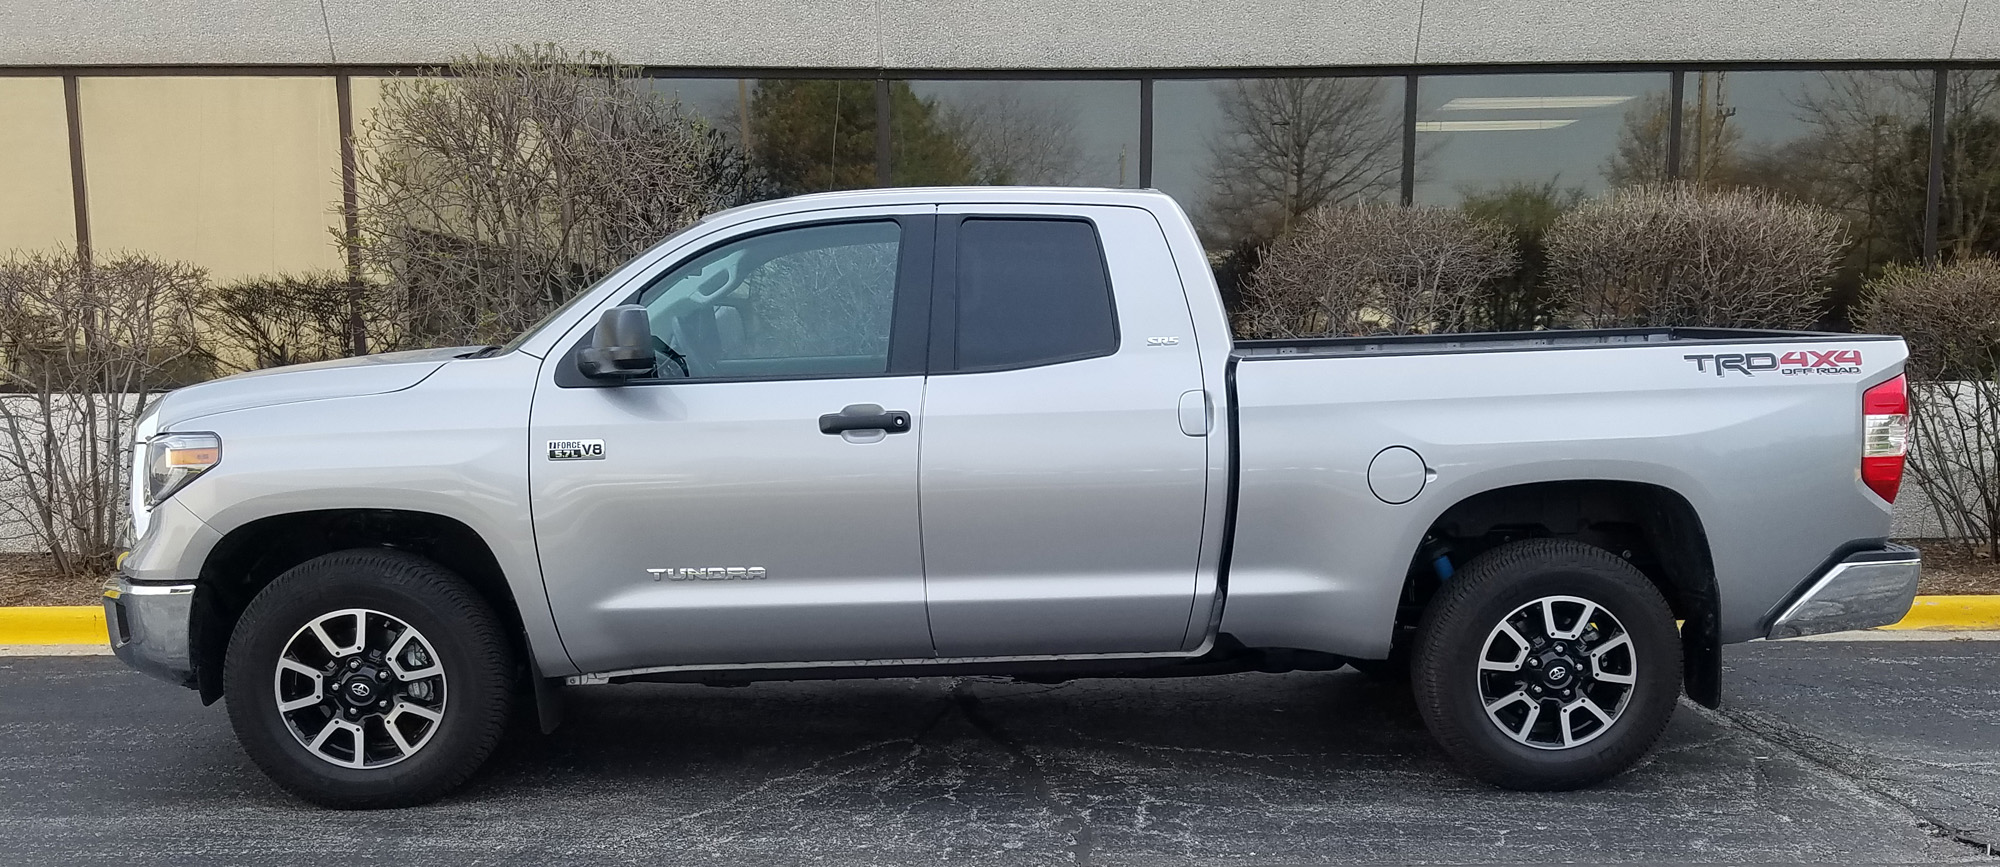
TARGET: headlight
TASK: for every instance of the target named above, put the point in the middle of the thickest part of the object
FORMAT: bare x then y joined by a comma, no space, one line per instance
173,460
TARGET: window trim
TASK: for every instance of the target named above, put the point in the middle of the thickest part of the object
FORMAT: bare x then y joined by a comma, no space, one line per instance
944,301
908,318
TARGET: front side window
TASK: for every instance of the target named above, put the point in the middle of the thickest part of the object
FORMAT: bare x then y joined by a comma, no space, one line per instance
1031,292
809,301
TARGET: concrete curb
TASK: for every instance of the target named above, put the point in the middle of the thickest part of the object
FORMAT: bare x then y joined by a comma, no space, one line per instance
1958,613
53,625
69,625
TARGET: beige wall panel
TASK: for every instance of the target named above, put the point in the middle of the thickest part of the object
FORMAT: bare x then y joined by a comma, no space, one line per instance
37,210
240,175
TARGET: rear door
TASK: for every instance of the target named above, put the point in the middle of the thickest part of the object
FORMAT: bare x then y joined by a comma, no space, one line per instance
1062,500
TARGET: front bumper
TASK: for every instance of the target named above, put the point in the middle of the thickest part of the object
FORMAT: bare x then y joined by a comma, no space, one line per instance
1865,590
149,627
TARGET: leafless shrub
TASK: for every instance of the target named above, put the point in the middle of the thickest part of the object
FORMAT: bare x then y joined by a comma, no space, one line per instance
294,318
84,345
1950,316
1373,269
489,196
1677,255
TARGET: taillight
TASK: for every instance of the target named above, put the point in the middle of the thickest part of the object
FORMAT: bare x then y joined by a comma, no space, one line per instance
1885,437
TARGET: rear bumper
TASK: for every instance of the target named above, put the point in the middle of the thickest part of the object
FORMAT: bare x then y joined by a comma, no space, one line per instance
149,627
1865,590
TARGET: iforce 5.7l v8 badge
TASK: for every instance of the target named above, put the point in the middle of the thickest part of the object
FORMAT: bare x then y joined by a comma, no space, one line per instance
576,450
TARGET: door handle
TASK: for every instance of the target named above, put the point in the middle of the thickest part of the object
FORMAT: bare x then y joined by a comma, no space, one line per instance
864,417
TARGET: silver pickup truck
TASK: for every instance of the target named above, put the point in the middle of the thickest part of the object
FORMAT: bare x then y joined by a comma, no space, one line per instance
996,431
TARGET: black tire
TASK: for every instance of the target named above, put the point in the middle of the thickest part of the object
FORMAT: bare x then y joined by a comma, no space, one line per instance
1453,638
475,694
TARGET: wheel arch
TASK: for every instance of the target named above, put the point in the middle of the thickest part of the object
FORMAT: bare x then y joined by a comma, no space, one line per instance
1651,526
250,556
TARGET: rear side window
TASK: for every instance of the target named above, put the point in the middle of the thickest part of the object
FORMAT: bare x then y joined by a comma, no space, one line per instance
1031,292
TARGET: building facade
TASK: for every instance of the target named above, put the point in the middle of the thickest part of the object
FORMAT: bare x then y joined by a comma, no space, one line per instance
217,132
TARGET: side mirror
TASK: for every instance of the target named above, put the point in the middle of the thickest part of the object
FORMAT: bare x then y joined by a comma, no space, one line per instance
621,346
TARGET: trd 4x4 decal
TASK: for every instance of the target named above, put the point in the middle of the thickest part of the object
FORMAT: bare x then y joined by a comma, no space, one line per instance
1809,362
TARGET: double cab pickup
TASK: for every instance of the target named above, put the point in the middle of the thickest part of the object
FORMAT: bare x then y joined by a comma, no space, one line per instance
997,431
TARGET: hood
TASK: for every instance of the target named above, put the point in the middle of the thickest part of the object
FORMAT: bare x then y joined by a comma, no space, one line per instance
345,377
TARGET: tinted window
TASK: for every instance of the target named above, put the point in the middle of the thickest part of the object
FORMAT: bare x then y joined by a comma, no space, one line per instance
1031,292
811,301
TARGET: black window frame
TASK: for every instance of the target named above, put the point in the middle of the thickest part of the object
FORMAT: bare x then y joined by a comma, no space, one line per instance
944,291
909,317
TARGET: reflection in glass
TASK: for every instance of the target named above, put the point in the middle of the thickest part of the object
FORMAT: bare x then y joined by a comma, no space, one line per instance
1057,133
1856,142
1562,136
1247,156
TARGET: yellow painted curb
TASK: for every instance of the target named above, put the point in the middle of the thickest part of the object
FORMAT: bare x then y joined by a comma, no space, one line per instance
1952,612
53,624
84,624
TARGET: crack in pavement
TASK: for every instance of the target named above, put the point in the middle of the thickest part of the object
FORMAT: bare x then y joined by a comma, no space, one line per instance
1027,770
1828,756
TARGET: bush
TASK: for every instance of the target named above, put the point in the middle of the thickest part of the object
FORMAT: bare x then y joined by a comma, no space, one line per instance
490,196
293,319
1951,318
84,345
1374,269
1674,255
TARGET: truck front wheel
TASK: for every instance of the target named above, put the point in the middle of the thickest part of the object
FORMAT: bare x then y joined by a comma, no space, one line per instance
1547,664
368,678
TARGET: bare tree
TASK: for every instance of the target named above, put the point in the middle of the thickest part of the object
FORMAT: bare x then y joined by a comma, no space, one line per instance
1710,144
1015,138
1290,145
489,196
1678,255
1950,317
84,344
1374,269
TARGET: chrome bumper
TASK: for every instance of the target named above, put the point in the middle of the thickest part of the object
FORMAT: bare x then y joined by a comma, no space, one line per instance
1869,589
149,627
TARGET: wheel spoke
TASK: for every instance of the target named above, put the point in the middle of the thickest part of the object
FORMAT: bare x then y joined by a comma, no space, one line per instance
403,707
318,628
1520,650
318,693
1618,679
396,658
403,747
335,726
1527,726
1582,619
1598,653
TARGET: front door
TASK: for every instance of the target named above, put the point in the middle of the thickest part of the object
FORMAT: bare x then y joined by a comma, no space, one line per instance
756,499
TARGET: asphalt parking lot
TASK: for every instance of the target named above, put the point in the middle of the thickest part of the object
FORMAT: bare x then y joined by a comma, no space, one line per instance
1827,751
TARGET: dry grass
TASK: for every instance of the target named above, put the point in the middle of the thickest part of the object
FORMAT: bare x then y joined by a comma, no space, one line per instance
32,579
1951,569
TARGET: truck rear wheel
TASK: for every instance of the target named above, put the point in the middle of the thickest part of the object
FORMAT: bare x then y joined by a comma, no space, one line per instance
368,678
1547,664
